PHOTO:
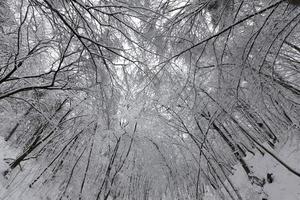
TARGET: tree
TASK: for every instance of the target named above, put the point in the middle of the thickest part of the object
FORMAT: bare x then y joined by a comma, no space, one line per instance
146,99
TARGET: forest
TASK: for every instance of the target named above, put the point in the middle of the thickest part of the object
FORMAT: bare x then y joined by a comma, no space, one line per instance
149,99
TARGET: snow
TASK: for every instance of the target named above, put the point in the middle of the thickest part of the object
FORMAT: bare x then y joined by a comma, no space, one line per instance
16,186
286,186
6,152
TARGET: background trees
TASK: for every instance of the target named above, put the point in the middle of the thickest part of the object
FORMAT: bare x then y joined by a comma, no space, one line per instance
146,99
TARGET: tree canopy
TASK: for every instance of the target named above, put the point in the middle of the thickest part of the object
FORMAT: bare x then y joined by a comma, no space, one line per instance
146,99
